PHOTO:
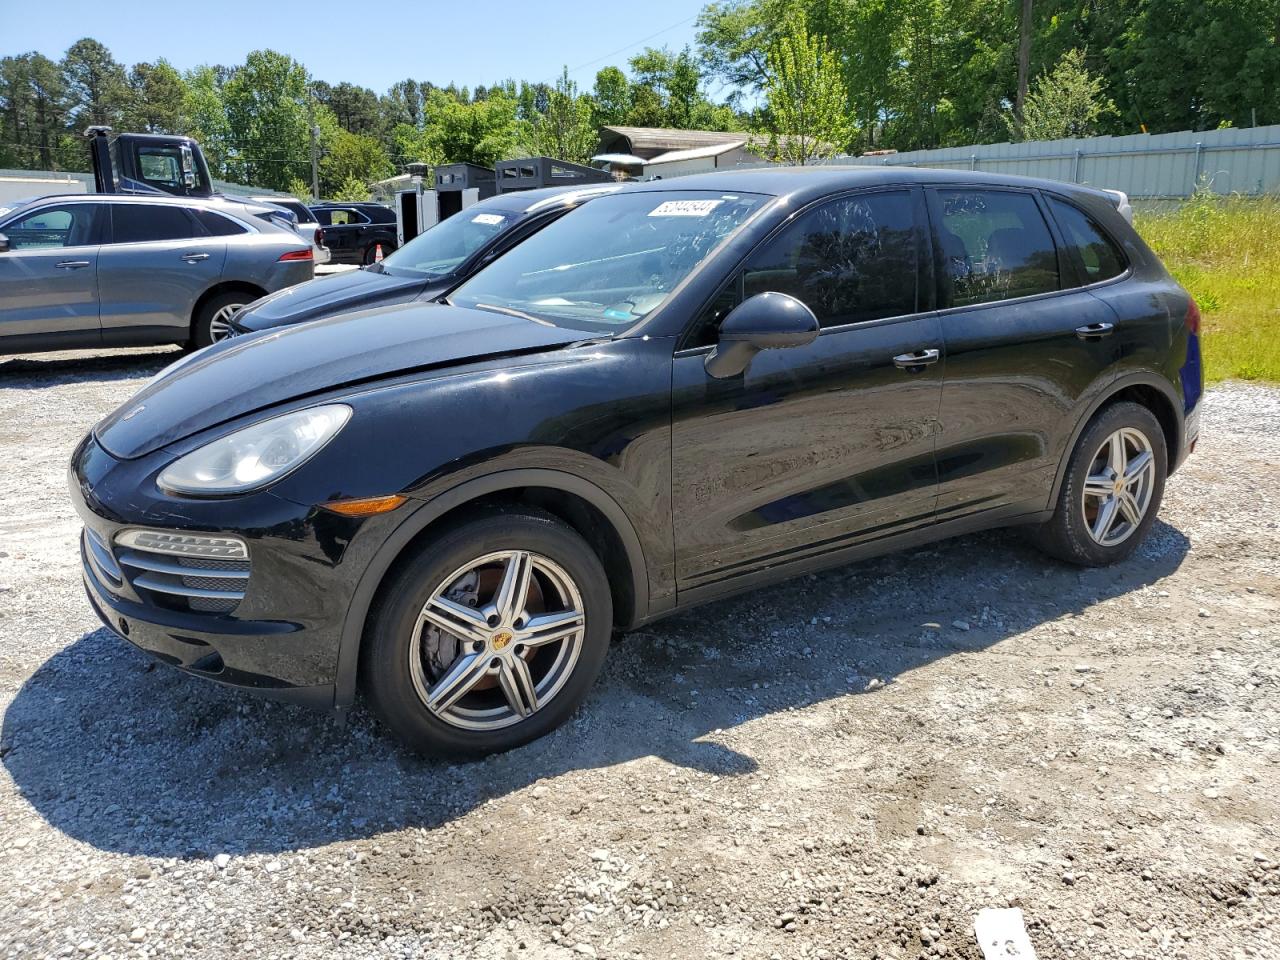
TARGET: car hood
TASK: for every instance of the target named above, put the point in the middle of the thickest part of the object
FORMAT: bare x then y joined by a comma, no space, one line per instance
245,374
324,296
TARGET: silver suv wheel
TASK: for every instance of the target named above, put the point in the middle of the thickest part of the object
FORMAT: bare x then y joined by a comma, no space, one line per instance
1118,487
496,640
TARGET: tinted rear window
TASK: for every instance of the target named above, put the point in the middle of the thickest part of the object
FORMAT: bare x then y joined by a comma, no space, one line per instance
216,225
993,245
1098,255
138,223
297,209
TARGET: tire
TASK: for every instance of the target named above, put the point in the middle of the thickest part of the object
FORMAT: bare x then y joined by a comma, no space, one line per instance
371,251
1071,534
406,660
206,326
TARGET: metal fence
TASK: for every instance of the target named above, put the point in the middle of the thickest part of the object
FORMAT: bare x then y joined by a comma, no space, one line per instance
1150,167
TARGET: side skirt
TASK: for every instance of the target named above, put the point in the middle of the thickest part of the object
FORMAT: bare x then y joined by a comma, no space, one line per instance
1009,515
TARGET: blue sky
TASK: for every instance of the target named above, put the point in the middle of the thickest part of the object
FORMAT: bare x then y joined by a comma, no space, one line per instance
370,44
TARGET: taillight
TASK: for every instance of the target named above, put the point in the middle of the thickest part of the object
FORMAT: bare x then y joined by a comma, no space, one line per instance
1192,321
319,237
297,255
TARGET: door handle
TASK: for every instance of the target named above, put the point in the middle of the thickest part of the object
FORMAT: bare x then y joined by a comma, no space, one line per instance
71,264
195,257
921,358
1095,331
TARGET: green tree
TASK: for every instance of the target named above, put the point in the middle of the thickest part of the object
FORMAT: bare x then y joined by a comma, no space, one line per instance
204,116
351,157
301,189
33,115
734,40
156,97
269,113
353,189
97,89
566,130
1066,102
805,95
458,132
612,97
356,108
1190,64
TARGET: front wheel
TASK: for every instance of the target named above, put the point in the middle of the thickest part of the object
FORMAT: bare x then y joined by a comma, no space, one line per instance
1112,489
490,636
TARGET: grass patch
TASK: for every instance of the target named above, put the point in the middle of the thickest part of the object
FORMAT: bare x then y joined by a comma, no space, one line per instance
1226,252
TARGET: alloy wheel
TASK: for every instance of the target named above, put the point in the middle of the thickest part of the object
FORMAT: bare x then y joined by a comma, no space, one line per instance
497,640
220,323
1118,486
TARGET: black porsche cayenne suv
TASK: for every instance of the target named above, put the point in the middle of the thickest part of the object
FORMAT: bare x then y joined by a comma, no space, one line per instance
673,393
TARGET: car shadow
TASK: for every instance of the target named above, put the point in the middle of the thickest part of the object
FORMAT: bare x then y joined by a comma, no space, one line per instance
38,371
133,757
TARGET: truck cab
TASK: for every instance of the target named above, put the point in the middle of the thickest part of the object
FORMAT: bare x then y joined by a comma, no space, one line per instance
148,163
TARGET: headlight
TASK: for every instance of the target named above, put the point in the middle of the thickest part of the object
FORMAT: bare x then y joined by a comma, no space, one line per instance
255,456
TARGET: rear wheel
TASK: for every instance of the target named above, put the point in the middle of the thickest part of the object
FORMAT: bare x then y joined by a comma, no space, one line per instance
213,320
490,636
1112,490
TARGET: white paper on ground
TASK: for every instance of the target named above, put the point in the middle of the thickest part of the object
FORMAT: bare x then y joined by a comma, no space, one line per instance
1002,934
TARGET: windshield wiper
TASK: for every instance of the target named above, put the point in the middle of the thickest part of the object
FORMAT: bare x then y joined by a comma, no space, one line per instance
512,312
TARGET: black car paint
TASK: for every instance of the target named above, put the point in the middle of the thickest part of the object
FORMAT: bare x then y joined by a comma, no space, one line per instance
362,289
707,486
351,242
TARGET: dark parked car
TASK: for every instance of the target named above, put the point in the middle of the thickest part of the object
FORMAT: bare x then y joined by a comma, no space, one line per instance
427,266
121,270
354,231
676,392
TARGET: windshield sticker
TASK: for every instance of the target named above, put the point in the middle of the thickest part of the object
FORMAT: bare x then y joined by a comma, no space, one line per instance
490,219
684,208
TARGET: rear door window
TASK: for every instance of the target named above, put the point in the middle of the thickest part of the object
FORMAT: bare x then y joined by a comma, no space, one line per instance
849,260
992,245
216,225
339,218
140,223
1098,254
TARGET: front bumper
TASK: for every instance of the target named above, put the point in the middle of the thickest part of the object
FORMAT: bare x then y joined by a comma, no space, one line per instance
281,639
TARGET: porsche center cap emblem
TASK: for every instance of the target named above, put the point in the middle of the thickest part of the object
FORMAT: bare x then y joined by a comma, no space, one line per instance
501,639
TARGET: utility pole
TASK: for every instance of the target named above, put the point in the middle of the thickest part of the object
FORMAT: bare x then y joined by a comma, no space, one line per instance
315,162
1024,65
314,130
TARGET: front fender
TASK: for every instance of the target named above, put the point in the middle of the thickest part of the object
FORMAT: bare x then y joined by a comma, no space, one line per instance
435,508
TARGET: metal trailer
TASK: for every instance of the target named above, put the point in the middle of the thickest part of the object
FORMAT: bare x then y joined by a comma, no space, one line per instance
531,173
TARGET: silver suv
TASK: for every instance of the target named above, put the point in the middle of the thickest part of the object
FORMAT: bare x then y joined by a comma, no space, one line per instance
122,270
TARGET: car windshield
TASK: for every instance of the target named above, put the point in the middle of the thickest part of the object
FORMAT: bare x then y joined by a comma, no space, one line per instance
612,261
439,251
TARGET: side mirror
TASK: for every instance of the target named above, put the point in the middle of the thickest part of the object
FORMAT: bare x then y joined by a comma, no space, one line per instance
4,243
767,321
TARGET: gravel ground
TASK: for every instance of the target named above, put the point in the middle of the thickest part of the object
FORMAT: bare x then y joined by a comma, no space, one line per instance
850,765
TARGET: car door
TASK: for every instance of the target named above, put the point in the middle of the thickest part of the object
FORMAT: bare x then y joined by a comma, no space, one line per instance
1024,342
819,447
49,276
342,229
157,263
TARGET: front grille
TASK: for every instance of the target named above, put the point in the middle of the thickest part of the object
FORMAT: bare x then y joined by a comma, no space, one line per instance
101,562
175,571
